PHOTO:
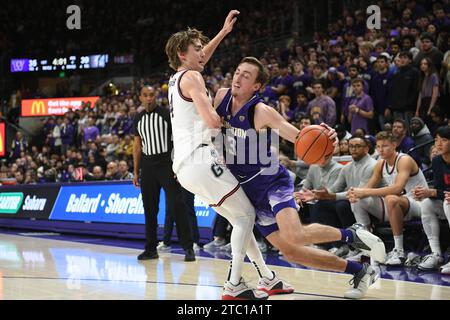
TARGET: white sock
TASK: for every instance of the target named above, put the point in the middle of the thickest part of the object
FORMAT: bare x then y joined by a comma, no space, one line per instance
398,240
435,246
255,256
430,223
240,236
235,273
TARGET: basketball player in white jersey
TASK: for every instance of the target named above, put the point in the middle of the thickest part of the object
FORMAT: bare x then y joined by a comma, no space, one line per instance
395,202
197,164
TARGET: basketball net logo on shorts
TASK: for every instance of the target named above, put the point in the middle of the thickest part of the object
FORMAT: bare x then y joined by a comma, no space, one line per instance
38,108
233,142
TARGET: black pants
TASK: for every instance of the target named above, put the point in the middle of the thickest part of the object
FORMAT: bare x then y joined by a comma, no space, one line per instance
188,199
423,110
220,227
337,214
153,177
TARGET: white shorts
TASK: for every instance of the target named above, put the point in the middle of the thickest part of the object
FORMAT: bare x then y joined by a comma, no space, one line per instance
414,211
376,206
438,207
207,177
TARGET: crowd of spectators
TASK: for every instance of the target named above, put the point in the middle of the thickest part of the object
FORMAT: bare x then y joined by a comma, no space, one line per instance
117,27
358,80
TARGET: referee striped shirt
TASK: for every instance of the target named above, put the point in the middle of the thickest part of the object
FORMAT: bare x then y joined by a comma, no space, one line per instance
154,129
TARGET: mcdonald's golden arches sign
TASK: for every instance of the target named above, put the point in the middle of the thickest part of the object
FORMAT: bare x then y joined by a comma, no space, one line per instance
54,106
2,140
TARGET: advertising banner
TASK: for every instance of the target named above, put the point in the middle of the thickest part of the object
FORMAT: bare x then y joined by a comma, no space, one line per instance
35,202
2,140
114,203
54,106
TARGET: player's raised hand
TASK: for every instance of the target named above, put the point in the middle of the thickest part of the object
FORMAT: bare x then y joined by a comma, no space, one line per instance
230,20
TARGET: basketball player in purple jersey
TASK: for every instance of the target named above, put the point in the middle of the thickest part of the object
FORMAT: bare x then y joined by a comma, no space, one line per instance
271,191
197,165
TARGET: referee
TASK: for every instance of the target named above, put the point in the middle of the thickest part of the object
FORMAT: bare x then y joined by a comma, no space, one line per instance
152,151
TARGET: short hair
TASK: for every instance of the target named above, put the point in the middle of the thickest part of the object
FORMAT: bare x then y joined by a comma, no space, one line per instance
437,111
364,139
179,42
408,37
358,80
285,97
307,117
406,54
318,82
383,57
399,120
443,132
385,135
145,86
263,75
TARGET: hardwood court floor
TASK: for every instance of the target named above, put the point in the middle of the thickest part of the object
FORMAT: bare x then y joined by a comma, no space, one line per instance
45,269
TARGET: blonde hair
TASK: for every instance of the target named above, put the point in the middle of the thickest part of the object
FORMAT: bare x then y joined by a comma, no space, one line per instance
385,135
179,42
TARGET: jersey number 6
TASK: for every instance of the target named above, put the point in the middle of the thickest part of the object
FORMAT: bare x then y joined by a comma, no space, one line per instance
216,169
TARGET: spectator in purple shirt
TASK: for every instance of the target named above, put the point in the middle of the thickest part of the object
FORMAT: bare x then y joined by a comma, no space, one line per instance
322,108
347,90
282,84
441,19
91,132
361,107
300,79
428,90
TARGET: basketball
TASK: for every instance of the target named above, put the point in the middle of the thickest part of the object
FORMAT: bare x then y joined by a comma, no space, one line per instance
312,145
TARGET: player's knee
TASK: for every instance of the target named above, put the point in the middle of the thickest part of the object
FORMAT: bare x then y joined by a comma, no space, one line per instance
391,200
427,208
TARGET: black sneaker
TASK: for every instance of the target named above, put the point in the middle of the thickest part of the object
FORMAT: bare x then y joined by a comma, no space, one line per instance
190,255
148,255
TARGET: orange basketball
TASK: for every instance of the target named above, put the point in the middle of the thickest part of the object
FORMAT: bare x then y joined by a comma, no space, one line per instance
312,145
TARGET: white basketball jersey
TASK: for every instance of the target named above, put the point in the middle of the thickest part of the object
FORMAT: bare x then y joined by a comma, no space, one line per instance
188,128
390,174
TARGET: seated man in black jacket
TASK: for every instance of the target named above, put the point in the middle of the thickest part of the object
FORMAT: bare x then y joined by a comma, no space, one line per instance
435,203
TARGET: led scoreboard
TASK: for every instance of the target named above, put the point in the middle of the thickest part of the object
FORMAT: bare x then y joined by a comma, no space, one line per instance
96,61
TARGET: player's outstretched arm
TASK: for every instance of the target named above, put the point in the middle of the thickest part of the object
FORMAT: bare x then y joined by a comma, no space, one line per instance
267,117
226,29
193,85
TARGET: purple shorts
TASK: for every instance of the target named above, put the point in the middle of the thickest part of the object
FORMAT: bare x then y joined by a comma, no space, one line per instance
269,195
